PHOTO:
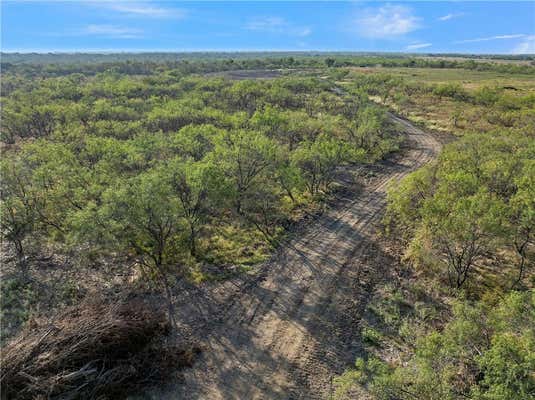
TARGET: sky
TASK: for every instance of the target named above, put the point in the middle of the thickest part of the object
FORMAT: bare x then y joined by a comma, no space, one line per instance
429,27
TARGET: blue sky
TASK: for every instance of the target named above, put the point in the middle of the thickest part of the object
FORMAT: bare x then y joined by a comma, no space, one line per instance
456,26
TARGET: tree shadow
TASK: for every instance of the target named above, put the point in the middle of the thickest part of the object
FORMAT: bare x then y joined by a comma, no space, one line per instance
286,331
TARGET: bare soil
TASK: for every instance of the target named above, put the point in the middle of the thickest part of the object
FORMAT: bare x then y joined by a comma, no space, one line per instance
286,330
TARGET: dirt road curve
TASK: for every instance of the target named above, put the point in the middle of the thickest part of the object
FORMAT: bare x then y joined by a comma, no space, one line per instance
288,332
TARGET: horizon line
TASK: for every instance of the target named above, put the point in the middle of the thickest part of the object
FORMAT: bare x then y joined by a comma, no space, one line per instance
146,51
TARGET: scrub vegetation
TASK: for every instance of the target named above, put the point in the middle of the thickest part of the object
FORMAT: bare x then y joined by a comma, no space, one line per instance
458,319
160,175
168,174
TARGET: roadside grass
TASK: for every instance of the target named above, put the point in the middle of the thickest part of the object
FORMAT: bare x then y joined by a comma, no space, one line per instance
234,244
451,116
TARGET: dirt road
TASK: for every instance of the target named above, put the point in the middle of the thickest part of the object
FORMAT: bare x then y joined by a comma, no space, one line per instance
288,331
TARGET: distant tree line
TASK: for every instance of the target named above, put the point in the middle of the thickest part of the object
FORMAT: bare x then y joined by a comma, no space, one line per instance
58,64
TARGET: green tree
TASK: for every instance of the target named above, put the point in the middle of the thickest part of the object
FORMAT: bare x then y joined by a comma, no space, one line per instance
522,216
18,208
245,95
462,230
244,157
23,121
329,62
195,141
191,184
486,352
318,161
474,202
145,218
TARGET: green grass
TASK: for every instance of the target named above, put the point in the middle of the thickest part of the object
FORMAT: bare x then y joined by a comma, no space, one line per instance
234,244
371,336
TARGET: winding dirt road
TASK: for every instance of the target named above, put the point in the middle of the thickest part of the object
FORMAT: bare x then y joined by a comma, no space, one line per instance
288,331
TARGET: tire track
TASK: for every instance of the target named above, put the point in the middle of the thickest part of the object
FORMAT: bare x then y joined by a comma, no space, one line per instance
289,330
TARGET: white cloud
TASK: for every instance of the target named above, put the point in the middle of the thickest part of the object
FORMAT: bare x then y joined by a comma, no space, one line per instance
418,46
112,31
139,9
145,10
497,37
385,22
527,46
447,17
304,32
277,25
266,24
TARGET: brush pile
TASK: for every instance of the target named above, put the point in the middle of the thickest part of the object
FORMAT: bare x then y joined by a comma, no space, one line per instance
94,351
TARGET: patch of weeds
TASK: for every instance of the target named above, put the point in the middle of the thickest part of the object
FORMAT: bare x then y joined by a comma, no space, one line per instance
18,297
410,330
427,312
419,291
406,331
197,275
371,336
361,375
70,292
233,244
355,375
391,307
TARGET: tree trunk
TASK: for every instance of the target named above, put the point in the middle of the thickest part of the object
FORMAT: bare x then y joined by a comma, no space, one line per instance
239,205
521,251
21,259
193,247
169,296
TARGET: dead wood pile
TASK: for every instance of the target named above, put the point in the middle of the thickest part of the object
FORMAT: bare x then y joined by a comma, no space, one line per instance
94,351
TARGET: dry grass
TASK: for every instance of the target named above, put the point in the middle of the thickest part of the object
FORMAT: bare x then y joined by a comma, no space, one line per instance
469,79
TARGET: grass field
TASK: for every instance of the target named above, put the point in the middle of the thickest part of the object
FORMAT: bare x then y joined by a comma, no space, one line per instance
458,116
469,79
